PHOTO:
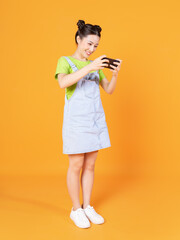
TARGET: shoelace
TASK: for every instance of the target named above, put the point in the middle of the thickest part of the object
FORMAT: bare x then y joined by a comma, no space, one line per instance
92,211
90,206
81,214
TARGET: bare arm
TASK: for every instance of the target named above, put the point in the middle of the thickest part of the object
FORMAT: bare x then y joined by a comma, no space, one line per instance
109,87
66,80
105,85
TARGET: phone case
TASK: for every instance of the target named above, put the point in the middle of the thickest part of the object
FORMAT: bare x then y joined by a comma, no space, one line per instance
111,61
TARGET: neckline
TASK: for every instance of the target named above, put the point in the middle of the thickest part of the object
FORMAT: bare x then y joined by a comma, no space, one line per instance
78,59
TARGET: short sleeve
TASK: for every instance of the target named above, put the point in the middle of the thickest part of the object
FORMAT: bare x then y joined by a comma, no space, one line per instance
101,75
62,67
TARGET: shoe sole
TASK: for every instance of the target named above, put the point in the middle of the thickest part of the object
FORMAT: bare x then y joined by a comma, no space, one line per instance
94,222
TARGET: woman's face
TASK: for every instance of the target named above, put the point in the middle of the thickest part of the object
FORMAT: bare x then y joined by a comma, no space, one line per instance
88,45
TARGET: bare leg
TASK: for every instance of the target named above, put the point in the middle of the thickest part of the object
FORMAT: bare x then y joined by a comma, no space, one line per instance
87,176
75,165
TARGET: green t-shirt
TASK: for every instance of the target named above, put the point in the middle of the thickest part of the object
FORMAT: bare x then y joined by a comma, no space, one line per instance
64,67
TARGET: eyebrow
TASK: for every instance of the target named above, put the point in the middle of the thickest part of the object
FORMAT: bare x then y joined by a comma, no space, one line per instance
92,42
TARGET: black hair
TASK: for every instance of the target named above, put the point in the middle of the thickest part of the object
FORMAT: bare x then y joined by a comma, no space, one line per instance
87,29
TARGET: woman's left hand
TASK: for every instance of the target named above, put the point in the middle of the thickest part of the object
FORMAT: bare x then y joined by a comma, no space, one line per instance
116,69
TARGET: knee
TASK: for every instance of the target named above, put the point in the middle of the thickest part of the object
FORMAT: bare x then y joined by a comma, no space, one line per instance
89,166
76,167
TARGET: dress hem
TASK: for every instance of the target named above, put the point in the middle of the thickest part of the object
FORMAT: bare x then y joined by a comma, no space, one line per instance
87,150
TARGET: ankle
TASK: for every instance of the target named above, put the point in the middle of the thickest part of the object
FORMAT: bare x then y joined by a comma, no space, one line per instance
76,207
84,205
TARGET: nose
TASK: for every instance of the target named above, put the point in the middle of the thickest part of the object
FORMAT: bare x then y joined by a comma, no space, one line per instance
92,48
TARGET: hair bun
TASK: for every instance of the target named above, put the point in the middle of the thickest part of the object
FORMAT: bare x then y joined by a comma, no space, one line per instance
81,24
99,29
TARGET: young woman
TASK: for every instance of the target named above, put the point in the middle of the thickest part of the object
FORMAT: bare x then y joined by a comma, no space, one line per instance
84,129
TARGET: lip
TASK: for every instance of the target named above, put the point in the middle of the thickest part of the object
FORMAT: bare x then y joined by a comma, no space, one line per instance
88,53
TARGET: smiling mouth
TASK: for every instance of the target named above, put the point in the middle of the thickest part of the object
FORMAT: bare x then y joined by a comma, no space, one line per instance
88,53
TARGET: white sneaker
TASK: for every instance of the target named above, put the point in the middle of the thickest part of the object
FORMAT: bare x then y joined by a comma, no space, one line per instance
79,218
93,216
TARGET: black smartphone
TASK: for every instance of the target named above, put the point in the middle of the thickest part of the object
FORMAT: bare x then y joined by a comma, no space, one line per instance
111,61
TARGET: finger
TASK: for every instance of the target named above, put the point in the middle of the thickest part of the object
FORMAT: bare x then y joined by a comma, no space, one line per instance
102,56
112,66
117,63
105,60
105,64
114,71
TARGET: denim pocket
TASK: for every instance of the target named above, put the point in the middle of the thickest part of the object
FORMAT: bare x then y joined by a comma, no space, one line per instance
91,85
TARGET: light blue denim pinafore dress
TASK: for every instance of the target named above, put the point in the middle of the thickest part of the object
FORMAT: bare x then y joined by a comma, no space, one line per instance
84,124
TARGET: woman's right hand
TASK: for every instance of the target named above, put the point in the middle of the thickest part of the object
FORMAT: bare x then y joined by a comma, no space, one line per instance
98,63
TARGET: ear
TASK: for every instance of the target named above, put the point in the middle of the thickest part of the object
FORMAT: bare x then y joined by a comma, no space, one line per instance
78,39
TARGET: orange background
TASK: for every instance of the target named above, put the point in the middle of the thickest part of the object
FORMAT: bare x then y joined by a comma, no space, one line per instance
143,114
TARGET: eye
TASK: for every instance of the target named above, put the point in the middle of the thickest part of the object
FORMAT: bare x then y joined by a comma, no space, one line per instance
91,44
